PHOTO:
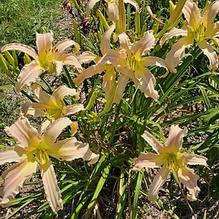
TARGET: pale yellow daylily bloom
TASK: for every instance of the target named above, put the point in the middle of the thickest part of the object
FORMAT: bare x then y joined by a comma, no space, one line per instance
48,58
52,106
171,159
110,85
33,150
130,61
113,7
199,29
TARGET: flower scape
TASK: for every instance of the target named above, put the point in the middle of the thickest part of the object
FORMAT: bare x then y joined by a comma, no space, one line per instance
98,103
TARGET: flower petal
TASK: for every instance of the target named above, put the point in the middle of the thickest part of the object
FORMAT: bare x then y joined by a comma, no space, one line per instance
9,156
176,53
144,44
113,11
20,47
105,42
87,57
212,11
157,183
63,91
175,137
54,129
53,193
192,13
89,72
91,4
124,41
133,3
146,84
22,132
152,141
122,82
175,32
189,179
14,179
151,61
44,42
41,95
210,53
28,75
63,45
72,60
109,79
194,159
145,160
71,149
72,109
34,109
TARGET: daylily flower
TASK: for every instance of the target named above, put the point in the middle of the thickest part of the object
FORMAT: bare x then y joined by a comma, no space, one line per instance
52,106
199,29
113,7
110,85
130,61
171,159
47,58
32,151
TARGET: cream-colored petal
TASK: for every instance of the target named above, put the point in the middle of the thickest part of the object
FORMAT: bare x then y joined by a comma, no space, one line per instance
52,132
9,156
113,11
157,183
189,179
58,67
87,57
72,109
41,95
124,41
14,179
122,82
91,4
89,72
175,137
34,109
63,91
133,3
145,160
44,42
71,149
72,60
146,84
152,141
195,159
151,61
22,132
28,75
192,13
175,32
176,54
210,53
105,42
145,44
53,193
63,45
212,11
20,47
